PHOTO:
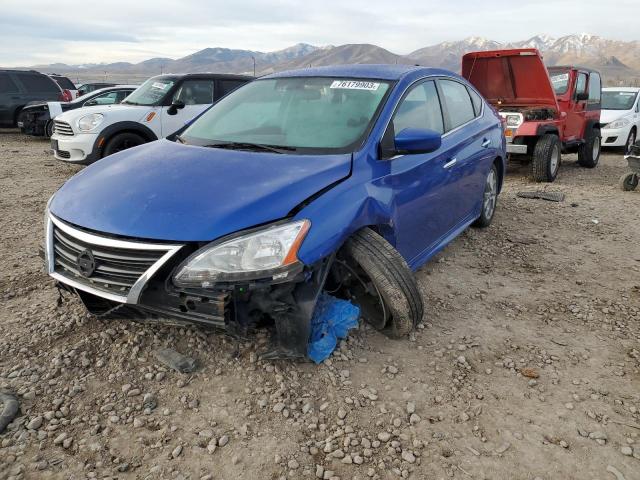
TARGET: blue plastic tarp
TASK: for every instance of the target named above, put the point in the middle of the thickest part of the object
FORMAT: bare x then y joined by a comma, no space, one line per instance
332,319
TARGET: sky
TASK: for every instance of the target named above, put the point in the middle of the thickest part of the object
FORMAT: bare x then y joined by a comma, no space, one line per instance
42,32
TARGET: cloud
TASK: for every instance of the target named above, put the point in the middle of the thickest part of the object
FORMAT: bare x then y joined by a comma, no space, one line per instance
34,31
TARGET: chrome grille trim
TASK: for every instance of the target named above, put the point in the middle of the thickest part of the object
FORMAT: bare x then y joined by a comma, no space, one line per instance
62,128
148,266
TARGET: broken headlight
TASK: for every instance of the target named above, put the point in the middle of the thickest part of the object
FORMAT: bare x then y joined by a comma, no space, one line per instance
269,252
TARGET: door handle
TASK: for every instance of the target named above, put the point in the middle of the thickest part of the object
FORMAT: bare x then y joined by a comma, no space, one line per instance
486,142
450,163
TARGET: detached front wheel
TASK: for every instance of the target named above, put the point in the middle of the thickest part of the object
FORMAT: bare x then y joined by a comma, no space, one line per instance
546,158
371,273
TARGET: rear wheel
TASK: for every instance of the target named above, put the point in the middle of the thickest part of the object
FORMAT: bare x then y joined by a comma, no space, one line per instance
589,151
122,141
370,272
489,199
546,158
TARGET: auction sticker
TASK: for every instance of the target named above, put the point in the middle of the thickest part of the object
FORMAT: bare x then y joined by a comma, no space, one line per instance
355,85
159,85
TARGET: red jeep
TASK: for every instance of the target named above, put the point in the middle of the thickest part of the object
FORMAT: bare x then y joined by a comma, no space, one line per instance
546,113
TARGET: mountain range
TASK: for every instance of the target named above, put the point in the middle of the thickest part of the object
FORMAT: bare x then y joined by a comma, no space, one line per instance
618,61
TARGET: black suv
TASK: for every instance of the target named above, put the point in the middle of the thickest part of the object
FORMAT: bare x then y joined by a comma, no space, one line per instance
18,88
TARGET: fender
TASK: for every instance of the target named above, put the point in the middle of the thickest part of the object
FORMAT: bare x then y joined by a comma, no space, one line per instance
111,130
547,128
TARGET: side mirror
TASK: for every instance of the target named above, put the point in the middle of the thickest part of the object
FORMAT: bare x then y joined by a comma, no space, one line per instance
175,106
580,97
417,140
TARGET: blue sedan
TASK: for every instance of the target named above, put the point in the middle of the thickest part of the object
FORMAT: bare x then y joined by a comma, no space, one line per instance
337,179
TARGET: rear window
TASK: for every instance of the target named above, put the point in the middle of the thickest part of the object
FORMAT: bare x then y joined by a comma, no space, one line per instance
476,100
595,88
38,83
6,84
64,83
458,102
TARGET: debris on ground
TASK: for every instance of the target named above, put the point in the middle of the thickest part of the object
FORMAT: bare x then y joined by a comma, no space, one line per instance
331,321
9,410
175,360
538,194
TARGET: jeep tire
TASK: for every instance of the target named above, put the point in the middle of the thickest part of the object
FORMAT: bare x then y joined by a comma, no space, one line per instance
122,141
589,151
546,158
392,281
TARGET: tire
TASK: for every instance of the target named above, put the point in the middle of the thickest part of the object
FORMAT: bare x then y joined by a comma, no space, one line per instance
631,139
589,151
122,141
628,182
546,158
48,129
489,199
392,279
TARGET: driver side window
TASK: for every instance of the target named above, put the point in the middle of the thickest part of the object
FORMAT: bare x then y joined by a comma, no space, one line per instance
195,92
420,108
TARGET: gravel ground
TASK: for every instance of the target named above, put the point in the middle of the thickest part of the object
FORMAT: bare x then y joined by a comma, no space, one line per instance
526,366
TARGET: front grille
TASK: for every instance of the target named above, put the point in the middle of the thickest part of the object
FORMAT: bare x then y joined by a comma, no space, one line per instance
114,270
63,154
62,128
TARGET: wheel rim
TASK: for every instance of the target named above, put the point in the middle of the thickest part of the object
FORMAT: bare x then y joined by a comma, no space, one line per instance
596,148
555,161
630,141
490,194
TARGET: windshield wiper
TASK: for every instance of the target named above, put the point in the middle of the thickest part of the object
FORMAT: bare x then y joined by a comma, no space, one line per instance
126,102
253,146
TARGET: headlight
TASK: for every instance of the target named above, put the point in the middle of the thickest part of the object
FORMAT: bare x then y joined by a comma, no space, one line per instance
621,123
89,122
270,252
513,120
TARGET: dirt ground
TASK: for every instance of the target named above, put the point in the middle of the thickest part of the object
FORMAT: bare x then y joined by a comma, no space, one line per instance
526,366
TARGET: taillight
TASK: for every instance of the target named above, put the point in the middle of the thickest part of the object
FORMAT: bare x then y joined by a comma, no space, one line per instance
66,96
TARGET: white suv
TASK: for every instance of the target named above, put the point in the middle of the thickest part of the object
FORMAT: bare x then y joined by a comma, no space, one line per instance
620,116
158,108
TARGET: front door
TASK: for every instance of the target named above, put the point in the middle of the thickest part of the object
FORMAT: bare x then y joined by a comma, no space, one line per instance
577,110
196,94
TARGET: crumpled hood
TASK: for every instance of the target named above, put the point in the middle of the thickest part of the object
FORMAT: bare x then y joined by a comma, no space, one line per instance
168,191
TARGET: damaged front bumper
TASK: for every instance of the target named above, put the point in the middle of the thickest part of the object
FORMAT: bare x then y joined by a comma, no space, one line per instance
131,278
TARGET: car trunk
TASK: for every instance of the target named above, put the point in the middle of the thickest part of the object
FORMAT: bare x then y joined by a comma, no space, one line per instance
511,78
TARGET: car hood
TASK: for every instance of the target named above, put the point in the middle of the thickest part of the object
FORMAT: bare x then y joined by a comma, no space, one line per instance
608,116
510,77
135,111
168,191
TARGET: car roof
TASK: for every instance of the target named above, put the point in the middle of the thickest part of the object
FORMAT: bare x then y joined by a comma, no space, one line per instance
218,76
378,72
621,89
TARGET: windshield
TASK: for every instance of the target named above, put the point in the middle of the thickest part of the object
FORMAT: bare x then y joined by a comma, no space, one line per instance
326,114
150,92
618,100
560,81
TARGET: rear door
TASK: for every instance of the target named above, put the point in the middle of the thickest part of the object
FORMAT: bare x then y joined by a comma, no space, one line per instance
9,98
469,142
196,94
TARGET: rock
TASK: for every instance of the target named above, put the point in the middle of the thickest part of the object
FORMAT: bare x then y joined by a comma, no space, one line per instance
224,439
319,471
503,448
60,438
35,423
392,369
408,456
149,401
414,419
176,451
529,372
139,422
279,407
626,450
293,464
411,408
384,436
342,413
213,444
175,360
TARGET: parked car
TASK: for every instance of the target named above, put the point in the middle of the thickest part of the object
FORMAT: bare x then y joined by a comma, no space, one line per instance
342,179
620,117
69,90
156,109
85,88
37,119
20,87
546,112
